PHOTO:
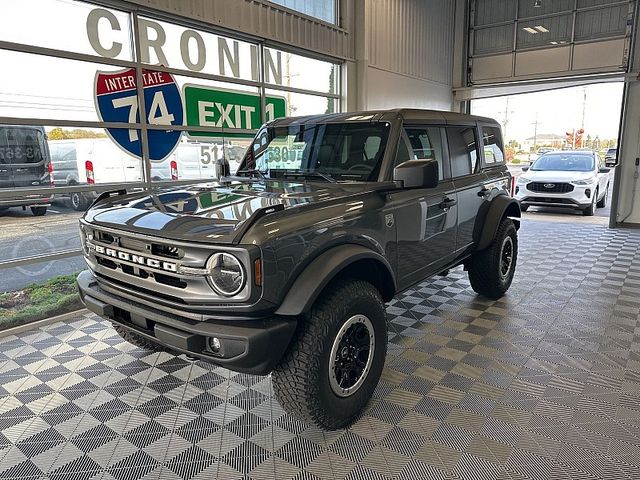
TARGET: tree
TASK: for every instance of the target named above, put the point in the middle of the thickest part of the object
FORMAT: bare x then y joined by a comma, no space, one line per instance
62,134
330,101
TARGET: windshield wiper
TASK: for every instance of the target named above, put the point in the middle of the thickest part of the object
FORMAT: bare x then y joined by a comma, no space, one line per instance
252,172
308,173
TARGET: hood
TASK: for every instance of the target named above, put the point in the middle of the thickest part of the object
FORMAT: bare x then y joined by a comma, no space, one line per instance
556,177
215,212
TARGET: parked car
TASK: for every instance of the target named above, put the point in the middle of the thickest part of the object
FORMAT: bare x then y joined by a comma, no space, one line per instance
286,270
24,163
575,179
611,157
91,161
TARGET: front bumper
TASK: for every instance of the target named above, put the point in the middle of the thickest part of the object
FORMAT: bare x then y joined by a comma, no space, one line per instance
248,346
577,198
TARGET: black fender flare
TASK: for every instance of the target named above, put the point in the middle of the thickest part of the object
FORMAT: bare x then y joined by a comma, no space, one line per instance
501,206
324,268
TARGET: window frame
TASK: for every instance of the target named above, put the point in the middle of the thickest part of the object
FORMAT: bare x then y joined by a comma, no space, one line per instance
444,147
485,164
479,158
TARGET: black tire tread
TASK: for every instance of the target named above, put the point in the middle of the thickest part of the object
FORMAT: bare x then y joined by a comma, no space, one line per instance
291,382
482,270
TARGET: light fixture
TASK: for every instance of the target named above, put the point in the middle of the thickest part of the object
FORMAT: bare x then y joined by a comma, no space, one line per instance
537,3
541,29
530,30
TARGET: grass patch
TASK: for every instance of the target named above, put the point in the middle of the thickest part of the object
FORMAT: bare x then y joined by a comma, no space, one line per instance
37,301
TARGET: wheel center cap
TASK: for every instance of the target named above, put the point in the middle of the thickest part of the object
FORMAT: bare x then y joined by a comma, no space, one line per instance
345,352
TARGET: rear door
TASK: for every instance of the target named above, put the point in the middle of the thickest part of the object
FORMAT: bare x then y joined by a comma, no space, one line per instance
468,178
28,156
6,178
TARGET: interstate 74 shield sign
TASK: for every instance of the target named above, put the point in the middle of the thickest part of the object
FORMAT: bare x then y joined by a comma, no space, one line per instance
117,101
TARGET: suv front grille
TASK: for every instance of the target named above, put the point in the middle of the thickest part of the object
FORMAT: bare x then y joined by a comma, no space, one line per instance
148,265
550,187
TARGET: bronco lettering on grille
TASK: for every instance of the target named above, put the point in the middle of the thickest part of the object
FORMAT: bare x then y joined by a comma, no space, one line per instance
133,258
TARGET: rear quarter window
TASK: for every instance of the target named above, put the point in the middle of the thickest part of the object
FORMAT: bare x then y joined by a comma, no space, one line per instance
492,144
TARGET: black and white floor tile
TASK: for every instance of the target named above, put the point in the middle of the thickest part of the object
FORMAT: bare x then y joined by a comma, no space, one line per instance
543,384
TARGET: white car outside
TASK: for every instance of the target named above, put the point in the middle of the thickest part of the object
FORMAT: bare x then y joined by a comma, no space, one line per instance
576,179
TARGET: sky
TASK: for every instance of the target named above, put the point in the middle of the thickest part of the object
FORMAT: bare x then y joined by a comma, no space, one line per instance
557,111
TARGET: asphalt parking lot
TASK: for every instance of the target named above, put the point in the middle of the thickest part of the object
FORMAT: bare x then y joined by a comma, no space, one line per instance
24,235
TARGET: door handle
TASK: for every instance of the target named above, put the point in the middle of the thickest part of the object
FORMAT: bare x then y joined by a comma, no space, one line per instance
484,192
447,203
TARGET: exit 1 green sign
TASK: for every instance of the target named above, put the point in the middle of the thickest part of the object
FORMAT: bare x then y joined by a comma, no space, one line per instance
216,108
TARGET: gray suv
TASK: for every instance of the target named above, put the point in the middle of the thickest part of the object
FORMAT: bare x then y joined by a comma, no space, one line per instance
285,267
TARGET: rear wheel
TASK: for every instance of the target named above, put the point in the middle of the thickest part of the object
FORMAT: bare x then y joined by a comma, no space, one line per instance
491,270
79,202
335,361
38,211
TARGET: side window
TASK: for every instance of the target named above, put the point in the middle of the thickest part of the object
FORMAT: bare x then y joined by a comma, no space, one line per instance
422,143
493,147
463,150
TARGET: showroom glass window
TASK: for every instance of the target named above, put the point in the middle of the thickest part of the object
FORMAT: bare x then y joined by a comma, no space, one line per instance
83,132
463,150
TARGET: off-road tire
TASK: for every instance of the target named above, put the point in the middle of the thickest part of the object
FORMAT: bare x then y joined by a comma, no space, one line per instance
301,379
138,340
484,266
603,203
38,211
79,201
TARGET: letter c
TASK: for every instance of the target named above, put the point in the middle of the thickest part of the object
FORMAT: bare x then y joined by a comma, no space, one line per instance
92,32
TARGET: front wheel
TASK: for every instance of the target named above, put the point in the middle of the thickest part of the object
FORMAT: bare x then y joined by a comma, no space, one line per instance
491,270
603,202
590,211
335,361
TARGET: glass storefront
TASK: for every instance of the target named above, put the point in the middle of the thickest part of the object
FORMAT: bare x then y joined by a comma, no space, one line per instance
71,123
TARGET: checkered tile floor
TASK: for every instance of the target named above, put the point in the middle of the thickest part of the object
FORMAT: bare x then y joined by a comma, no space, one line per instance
542,384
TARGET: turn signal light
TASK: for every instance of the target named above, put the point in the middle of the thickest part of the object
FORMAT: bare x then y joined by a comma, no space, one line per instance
257,271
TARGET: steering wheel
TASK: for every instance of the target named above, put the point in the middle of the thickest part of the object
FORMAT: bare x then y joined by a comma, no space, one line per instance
359,166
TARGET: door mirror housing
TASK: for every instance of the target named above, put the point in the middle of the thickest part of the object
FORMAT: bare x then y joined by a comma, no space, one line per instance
604,170
525,169
417,174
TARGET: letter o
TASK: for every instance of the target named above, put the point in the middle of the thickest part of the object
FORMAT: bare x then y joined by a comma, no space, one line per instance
186,36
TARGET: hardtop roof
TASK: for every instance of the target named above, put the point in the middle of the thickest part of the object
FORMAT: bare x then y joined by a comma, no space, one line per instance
407,114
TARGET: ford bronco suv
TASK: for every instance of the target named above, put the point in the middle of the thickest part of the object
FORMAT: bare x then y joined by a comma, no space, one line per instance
285,267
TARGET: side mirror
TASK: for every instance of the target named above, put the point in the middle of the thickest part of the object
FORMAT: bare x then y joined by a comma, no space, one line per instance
417,174
525,169
604,170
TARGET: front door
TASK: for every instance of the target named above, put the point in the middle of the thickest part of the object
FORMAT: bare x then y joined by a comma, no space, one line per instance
425,217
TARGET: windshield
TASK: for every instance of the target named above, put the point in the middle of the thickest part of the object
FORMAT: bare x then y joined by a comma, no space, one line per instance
342,151
566,162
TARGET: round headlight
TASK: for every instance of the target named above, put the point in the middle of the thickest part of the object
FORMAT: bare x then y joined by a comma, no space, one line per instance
226,274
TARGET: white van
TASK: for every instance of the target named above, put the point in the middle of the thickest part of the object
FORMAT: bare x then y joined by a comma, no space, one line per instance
185,163
91,161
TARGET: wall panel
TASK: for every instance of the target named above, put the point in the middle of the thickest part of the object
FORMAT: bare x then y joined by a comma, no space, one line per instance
413,37
262,19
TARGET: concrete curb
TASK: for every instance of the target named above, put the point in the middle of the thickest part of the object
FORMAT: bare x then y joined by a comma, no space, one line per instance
41,323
